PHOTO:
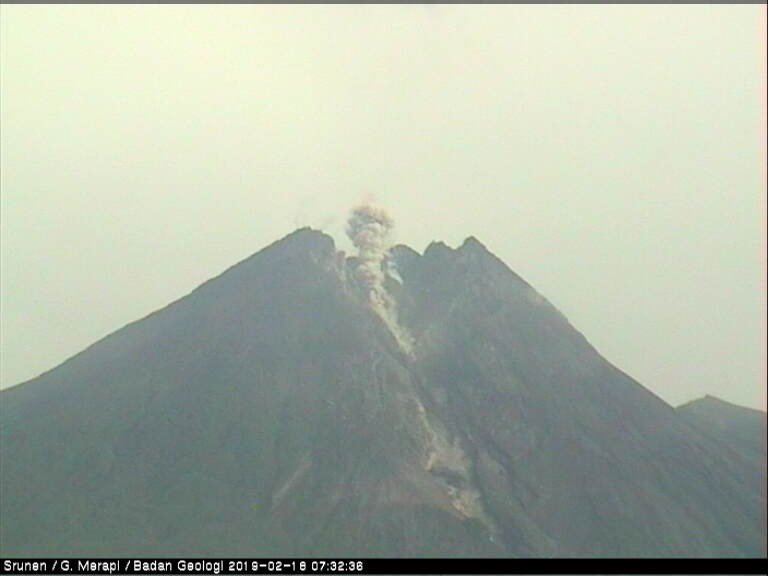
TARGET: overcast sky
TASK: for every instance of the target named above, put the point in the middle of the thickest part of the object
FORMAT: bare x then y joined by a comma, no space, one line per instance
613,156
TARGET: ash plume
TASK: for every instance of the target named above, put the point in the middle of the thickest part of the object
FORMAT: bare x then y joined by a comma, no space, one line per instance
369,228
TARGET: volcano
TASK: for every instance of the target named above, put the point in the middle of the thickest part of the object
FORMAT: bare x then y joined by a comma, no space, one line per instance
274,411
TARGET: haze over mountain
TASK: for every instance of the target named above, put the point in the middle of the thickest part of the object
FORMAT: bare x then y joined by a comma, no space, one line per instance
391,403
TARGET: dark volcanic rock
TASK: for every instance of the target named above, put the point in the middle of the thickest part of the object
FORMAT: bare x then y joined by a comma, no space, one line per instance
272,412
740,429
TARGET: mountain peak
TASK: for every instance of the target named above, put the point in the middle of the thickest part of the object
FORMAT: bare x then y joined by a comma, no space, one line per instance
706,400
472,243
303,244
280,410
404,250
308,237
710,402
438,247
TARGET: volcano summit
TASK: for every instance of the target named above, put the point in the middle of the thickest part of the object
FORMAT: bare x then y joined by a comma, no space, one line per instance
387,404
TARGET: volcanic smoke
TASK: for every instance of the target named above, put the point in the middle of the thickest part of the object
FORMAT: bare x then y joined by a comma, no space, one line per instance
369,228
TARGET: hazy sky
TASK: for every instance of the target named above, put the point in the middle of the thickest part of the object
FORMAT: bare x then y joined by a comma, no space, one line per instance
613,156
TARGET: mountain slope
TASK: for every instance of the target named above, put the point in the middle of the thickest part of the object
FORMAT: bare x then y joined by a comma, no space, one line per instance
741,429
242,419
273,412
594,462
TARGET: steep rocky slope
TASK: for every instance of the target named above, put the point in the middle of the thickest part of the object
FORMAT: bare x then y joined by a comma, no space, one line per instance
272,411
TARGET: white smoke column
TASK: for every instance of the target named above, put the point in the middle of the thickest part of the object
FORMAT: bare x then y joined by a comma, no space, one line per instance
369,228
